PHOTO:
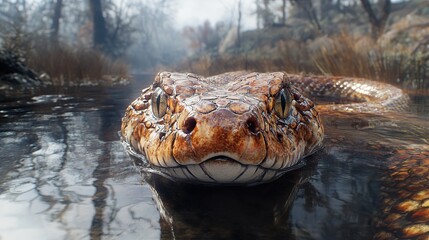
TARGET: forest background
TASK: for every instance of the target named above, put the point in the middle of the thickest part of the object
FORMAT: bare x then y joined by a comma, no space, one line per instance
75,42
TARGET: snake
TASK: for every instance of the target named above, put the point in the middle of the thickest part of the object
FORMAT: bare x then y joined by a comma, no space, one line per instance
249,128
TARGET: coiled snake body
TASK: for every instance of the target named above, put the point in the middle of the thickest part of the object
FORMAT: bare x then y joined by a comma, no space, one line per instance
249,128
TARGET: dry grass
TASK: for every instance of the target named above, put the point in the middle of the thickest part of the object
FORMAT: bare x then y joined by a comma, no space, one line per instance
67,66
341,55
347,56
64,64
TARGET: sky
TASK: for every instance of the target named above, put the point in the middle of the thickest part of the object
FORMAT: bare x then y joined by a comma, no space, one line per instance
195,12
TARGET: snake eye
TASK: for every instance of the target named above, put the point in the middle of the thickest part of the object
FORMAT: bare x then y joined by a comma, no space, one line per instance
159,103
282,104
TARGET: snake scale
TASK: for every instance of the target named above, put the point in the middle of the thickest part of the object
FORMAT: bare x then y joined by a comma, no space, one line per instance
245,128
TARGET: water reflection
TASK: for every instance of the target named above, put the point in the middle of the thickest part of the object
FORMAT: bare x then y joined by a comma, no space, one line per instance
65,174
201,212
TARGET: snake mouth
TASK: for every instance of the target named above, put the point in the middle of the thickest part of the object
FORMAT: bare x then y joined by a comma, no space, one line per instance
222,158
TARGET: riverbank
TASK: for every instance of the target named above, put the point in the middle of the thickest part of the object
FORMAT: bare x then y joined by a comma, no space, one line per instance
399,56
27,71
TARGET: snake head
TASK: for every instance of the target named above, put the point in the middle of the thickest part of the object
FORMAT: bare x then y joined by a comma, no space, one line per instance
233,128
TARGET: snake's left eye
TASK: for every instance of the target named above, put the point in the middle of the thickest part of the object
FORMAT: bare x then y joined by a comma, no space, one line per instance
159,103
282,104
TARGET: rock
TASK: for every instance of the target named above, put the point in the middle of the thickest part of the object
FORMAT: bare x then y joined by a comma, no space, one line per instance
16,79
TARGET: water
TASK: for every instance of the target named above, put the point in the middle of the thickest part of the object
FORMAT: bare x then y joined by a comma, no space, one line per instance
65,175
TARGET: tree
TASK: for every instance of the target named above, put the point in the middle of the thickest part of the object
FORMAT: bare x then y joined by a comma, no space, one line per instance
310,10
283,8
99,26
267,15
239,25
377,23
55,27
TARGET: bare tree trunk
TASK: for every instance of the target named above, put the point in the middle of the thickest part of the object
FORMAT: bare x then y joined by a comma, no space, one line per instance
266,15
258,15
99,25
239,25
377,23
309,9
284,12
55,27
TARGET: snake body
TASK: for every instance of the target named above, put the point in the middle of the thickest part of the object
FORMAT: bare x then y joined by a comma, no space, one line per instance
238,127
250,128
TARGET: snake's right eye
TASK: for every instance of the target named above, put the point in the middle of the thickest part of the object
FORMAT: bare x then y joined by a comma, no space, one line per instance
282,103
159,103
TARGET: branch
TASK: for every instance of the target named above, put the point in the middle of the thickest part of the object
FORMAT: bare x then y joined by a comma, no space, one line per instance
372,17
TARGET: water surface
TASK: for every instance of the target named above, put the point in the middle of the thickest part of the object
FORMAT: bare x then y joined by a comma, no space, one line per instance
65,175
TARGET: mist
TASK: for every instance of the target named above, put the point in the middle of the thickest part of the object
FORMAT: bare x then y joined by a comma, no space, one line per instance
146,36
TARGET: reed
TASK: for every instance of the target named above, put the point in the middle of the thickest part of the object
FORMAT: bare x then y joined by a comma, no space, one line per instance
68,66
340,55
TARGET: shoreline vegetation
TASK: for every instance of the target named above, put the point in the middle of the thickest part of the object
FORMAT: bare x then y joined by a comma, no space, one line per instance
57,68
80,66
399,55
391,45
341,55
62,65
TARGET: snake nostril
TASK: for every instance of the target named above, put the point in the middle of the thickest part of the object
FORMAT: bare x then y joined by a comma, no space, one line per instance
280,137
252,124
189,125
161,135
